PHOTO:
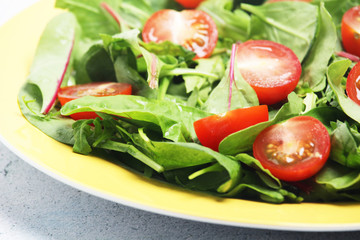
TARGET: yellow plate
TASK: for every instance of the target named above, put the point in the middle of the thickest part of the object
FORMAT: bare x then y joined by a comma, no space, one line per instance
18,40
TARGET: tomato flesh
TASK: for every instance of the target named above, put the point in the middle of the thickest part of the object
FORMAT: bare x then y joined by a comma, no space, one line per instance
193,29
273,70
213,129
350,31
97,89
189,3
293,150
353,84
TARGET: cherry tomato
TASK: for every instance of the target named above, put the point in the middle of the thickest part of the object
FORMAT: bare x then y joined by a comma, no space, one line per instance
350,31
353,84
189,3
293,150
193,29
273,70
97,89
213,129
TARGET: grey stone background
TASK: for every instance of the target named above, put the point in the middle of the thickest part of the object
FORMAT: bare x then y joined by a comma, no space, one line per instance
35,206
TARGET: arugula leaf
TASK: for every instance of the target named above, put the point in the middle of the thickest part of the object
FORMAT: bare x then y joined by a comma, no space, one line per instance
276,22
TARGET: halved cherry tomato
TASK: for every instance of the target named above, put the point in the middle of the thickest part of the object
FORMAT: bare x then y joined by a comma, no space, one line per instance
189,3
293,150
353,84
273,70
97,89
350,31
213,129
193,29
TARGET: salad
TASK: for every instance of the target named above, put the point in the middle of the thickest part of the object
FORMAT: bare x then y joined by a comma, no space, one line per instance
244,99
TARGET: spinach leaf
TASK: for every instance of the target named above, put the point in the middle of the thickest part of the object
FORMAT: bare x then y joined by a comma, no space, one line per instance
115,45
95,66
252,187
230,24
243,95
316,62
338,177
243,140
52,58
92,18
345,147
337,8
174,120
263,173
335,74
56,127
292,24
172,155
213,65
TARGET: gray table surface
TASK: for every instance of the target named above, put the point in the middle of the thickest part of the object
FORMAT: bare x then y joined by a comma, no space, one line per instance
35,206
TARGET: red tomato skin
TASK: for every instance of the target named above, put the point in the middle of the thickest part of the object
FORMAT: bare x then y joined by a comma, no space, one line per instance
180,27
189,3
299,126
213,129
273,70
352,90
67,94
350,31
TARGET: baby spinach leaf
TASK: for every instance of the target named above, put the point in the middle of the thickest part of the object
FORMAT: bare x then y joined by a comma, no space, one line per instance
175,121
168,48
243,140
116,43
335,74
339,177
213,65
316,62
243,95
56,127
345,147
292,24
52,58
337,8
173,155
252,162
230,24
91,17
95,66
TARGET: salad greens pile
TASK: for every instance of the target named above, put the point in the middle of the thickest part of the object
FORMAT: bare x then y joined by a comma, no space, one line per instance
152,130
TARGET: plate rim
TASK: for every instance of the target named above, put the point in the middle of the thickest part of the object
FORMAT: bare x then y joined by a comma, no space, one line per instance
305,227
